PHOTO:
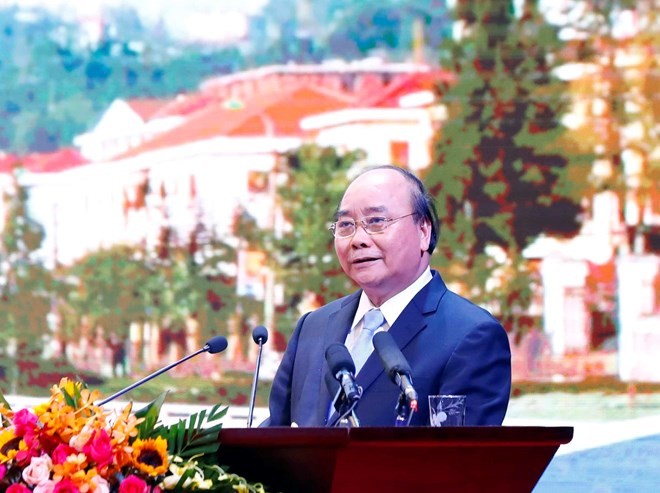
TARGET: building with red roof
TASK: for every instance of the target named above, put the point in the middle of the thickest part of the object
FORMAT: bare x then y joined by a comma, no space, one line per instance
141,157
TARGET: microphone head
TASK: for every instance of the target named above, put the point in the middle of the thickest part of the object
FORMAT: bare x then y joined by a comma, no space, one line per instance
260,334
216,344
390,355
338,358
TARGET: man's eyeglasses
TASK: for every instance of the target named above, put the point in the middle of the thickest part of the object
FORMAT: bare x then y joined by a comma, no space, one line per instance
371,224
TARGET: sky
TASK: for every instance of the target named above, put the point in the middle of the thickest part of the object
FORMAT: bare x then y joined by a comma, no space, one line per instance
200,19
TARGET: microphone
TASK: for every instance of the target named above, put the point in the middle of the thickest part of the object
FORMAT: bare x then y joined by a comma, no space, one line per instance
396,366
214,345
259,336
333,387
342,368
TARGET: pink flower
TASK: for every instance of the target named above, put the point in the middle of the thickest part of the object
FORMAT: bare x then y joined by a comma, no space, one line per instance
33,449
61,452
38,471
24,422
99,448
65,486
45,487
133,484
18,488
3,471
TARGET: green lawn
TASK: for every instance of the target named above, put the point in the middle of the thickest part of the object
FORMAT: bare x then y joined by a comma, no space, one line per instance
232,389
585,406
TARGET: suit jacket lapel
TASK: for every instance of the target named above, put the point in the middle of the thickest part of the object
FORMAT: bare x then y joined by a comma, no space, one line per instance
339,324
412,320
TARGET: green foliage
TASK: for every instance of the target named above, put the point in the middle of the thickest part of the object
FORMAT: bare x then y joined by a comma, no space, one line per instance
196,436
111,287
29,373
498,160
316,179
125,284
54,87
606,385
25,284
621,93
150,414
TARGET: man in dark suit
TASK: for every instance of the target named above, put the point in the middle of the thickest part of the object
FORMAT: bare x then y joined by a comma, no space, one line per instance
385,231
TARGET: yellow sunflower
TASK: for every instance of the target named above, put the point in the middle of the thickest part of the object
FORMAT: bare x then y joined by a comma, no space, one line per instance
150,456
10,444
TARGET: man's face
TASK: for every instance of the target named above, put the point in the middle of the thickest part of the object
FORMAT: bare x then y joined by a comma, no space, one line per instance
383,264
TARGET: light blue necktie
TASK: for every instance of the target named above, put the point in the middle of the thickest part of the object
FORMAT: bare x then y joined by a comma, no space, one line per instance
363,347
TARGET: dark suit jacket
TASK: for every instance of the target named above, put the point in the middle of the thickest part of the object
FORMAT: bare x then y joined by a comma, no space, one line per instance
452,345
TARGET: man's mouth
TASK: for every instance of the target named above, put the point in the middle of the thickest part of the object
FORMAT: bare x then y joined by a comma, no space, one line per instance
364,260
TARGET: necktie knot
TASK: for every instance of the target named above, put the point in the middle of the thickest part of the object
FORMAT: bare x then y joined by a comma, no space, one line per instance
372,320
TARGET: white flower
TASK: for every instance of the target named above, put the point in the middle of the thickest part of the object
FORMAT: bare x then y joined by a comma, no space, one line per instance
169,482
38,471
197,481
100,485
45,487
80,440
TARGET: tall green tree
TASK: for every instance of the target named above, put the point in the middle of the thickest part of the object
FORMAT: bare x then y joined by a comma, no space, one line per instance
618,42
193,278
25,284
498,158
108,286
305,261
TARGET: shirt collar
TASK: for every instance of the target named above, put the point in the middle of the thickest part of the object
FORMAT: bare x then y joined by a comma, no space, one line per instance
393,307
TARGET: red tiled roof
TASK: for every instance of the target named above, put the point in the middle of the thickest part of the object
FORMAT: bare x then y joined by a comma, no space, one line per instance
185,104
51,162
8,161
420,81
273,114
282,117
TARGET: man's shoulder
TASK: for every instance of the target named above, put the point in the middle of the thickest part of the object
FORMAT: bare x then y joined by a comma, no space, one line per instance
333,306
339,303
456,303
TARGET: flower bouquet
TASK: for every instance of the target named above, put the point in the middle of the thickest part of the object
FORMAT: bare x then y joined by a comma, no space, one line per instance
71,445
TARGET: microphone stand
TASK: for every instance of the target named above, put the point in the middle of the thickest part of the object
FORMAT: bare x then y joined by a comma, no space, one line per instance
346,410
403,414
255,381
214,345
153,375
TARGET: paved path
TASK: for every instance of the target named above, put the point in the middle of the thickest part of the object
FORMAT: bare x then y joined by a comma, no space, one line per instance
632,466
603,457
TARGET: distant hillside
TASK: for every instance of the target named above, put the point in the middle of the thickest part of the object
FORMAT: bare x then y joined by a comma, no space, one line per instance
55,80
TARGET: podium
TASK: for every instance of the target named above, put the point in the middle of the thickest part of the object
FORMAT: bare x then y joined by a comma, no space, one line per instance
387,460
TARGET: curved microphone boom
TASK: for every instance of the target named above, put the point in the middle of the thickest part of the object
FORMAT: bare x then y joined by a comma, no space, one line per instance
259,336
396,366
344,389
342,368
214,345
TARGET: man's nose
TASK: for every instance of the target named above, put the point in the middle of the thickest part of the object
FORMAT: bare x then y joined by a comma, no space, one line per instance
361,236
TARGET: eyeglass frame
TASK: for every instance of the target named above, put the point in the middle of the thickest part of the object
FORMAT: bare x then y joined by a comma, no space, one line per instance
388,221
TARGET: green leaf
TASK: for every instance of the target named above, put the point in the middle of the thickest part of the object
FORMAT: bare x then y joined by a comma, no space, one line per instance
495,190
197,435
4,401
151,414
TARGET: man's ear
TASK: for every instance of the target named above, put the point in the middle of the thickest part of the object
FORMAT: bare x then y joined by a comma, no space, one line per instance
424,236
